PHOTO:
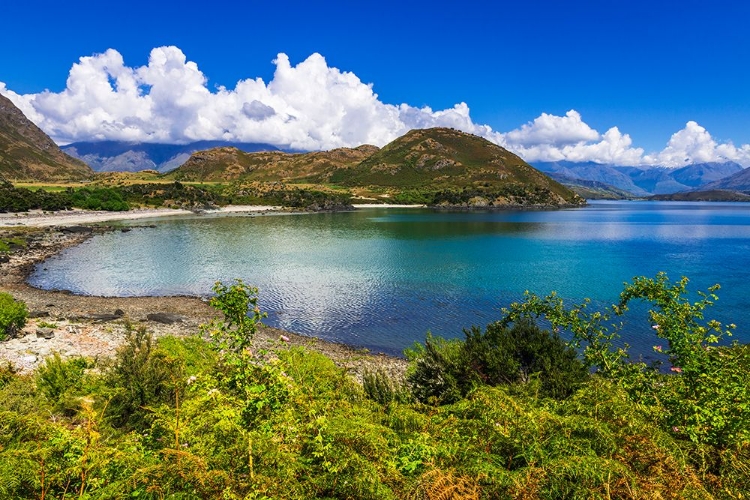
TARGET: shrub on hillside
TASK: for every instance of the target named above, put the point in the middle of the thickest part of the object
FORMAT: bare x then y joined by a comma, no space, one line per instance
13,315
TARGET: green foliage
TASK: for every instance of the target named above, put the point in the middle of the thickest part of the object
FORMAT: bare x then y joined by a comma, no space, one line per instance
143,377
707,397
446,371
14,199
61,381
381,387
233,335
232,339
13,315
98,199
437,370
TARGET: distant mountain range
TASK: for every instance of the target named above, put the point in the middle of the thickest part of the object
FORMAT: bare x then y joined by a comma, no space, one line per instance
27,153
117,156
643,181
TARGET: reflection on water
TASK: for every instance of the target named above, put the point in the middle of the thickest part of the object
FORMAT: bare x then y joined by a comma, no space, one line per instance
383,278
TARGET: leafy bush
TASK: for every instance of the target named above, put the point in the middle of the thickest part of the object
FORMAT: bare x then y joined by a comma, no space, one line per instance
503,355
706,398
446,371
60,381
98,199
381,387
144,377
13,315
14,199
438,371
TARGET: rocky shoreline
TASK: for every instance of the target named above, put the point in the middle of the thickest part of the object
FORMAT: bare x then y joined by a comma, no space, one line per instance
94,327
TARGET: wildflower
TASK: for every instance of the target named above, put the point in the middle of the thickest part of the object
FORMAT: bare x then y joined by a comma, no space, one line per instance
676,369
191,379
675,429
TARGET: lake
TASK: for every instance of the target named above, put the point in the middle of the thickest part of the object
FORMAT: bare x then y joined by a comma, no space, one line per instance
382,278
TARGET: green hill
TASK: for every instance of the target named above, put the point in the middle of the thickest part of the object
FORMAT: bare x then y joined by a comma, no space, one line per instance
28,154
436,166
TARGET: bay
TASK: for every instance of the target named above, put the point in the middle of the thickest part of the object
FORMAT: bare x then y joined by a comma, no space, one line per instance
382,278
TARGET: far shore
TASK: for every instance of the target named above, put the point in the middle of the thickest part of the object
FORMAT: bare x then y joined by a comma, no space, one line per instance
38,218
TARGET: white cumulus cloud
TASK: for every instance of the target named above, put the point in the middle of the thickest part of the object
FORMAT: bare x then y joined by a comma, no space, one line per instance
693,144
307,106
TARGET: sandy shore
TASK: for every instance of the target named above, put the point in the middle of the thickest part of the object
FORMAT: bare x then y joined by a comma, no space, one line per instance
36,218
95,327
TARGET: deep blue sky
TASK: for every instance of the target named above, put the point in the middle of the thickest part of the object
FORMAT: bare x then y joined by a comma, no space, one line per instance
646,67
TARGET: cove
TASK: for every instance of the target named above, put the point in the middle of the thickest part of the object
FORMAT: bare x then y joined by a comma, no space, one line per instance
382,278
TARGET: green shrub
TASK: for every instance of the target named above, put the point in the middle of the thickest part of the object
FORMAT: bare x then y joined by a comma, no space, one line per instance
503,355
61,381
438,370
381,387
143,376
13,315
449,370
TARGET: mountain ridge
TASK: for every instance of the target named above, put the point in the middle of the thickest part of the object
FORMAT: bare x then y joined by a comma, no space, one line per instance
28,154
120,156
437,166
645,180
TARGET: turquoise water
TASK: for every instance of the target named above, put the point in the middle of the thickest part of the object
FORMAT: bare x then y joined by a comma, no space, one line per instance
381,278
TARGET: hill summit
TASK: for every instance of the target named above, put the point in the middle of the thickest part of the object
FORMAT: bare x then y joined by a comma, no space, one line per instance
438,166
28,154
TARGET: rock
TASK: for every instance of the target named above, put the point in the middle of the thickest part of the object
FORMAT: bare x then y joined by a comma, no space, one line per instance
119,312
125,230
4,259
165,318
77,229
38,314
96,317
29,359
45,333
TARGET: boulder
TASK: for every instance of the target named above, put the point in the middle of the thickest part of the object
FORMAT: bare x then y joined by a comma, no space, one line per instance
165,318
45,333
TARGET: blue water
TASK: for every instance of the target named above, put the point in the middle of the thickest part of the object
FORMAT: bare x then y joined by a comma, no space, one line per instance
381,278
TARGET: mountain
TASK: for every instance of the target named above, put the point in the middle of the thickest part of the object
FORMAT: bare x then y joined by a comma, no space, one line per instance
28,154
706,195
645,180
439,165
739,181
700,175
595,172
117,156
591,190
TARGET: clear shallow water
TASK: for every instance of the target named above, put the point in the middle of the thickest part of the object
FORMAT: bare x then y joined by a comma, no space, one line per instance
381,278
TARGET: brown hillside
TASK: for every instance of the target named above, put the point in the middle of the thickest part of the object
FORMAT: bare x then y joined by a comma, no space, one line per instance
227,164
28,154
